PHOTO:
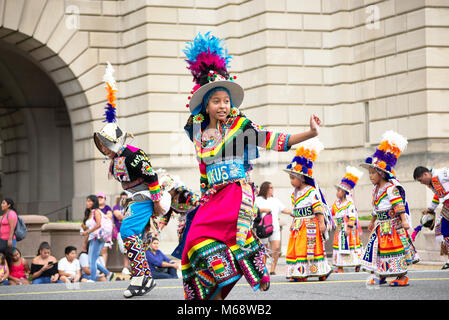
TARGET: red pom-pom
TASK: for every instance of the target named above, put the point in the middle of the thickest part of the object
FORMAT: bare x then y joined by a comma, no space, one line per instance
187,105
188,97
235,77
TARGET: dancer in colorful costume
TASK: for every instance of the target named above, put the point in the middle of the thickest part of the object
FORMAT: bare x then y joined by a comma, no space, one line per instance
347,245
436,180
306,255
153,227
389,249
131,167
182,200
218,244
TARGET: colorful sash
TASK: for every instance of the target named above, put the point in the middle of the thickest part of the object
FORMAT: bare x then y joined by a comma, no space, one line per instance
438,188
245,214
371,251
295,202
311,238
343,245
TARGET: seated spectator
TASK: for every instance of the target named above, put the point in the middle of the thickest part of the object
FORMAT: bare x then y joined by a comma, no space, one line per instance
4,270
44,267
69,267
103,274
19,270
161,267
151,231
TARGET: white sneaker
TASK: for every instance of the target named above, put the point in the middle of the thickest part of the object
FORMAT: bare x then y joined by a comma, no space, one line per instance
126,271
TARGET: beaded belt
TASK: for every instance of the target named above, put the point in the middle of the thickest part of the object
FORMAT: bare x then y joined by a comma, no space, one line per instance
386,220
385,215
339,221
302,212
224,171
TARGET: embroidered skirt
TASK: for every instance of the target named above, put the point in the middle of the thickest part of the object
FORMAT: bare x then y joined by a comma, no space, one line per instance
306,256
347,249
212,259
389,249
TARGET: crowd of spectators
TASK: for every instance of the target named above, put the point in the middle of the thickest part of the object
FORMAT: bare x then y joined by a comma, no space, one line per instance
75,265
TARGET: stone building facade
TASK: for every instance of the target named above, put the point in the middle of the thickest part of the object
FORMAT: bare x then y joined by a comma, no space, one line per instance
363,66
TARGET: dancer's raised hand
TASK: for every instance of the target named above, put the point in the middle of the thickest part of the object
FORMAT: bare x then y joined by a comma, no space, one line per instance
315,123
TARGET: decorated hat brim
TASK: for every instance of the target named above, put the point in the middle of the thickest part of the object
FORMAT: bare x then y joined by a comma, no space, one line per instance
178,210
98,142
339,186
234,89
297,173
101,140
370,165
111,137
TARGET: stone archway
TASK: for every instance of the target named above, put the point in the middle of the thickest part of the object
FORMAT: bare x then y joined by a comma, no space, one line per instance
45,108
36,137
64,39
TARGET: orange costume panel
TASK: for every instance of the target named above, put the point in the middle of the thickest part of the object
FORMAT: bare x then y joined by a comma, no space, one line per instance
306,256
346,248
298,249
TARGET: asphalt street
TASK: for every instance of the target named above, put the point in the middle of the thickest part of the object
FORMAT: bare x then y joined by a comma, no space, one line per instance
423,285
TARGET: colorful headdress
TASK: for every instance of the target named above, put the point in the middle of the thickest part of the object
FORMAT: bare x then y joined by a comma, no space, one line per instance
208,61
111,136
305,156
168,182
388,152
111,87
350,179
184,200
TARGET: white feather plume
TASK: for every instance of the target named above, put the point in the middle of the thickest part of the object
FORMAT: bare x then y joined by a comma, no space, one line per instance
312,144
395,138
354,171
109,76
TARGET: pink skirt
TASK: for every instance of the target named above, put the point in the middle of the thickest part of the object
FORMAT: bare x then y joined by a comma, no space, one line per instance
211,259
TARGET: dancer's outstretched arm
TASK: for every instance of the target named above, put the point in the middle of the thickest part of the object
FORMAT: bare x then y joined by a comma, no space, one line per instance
315,123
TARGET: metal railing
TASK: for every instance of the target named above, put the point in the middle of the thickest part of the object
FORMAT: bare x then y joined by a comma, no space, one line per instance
64,213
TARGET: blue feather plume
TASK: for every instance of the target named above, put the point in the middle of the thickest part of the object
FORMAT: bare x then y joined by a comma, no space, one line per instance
109,114
206,43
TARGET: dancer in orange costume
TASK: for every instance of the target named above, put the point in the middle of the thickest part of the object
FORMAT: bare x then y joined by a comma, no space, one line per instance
306,256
